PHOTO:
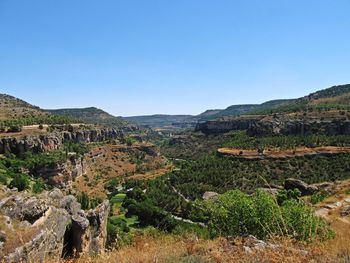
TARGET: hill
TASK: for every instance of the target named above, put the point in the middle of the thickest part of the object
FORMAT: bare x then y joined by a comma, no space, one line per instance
326,111
236,110
14,108
89,115
333,98
159,120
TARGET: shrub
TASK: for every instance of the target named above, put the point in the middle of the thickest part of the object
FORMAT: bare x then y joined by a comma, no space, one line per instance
15,129
38,187
318,197
3,179
20,181
235,213
290,194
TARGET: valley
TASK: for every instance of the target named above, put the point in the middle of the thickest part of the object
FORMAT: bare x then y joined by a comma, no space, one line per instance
251,181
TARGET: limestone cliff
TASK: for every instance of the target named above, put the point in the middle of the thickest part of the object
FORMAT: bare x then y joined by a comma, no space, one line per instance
53,141
51,225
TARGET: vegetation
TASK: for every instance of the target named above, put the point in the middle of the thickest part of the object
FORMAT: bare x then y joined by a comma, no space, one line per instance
220,174
14,125
89,115
87,202
237,214
20,181
242,141
78,148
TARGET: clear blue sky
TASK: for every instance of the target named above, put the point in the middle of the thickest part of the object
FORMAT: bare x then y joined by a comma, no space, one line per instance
137,57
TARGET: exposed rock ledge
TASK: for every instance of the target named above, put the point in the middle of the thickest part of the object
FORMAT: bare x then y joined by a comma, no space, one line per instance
53,141
281,154
62,228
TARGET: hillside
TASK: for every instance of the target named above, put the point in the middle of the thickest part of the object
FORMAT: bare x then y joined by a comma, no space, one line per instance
90,115
236,110
14,108
159,120
162,120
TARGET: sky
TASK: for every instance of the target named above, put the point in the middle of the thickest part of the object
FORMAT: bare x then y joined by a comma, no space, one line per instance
139,57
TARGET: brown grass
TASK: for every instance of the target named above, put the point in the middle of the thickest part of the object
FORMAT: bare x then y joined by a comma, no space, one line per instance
170,249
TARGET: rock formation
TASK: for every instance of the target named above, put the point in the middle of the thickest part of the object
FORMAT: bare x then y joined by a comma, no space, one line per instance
53,141
54,224
269,125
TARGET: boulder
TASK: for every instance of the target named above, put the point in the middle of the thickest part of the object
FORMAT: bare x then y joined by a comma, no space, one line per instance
210,195
345,211
303,187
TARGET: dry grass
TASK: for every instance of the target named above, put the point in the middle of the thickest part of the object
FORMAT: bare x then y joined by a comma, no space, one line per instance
105,162
16,236
171,249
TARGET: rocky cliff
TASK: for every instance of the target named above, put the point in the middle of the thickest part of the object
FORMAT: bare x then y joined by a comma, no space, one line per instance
53,141
50,225
259,126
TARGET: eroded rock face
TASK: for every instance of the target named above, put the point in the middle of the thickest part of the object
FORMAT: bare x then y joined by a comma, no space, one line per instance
303,187
62,174
268,125
55,226
49,142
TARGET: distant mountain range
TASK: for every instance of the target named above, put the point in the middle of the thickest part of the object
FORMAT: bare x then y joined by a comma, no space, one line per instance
336,97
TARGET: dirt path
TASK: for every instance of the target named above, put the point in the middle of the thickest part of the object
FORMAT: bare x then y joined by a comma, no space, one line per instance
151,174
333,210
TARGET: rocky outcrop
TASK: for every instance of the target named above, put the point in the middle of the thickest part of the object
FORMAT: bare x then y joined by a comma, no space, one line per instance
303,187
53,141
269,125
52,225
62,174
226,124
298,127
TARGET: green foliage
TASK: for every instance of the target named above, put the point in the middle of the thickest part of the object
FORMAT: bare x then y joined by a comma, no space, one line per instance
79,148
39,160
149,214
33,120
235,213
20,181
290,194
3,179
38,186
87,202
318,197
118,232
241,140
220,174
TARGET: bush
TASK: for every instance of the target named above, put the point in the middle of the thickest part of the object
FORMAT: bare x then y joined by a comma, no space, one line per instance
237,214
290,194
3,179
38,187
15,129
318,197
20,181
148,214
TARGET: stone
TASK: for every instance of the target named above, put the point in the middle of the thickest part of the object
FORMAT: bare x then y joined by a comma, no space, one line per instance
303,187
345,211
70,204
210,196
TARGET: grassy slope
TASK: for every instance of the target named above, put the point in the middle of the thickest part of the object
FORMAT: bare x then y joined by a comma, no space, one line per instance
14,108
90,115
